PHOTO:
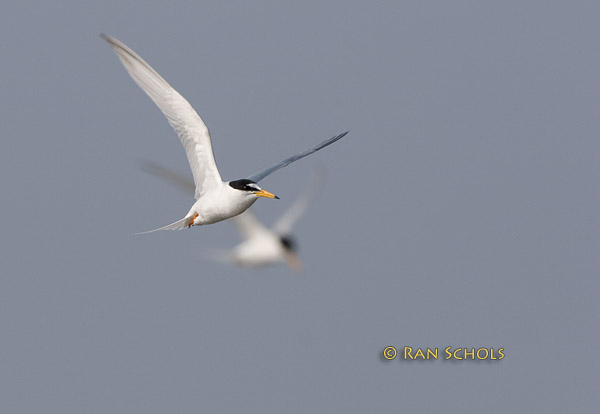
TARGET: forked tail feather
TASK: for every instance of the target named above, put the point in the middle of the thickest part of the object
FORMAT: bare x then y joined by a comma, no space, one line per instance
178,225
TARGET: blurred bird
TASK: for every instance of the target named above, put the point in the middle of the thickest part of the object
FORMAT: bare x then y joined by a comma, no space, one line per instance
216,200
261,245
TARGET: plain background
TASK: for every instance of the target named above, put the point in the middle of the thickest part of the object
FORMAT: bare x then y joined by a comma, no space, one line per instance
461,210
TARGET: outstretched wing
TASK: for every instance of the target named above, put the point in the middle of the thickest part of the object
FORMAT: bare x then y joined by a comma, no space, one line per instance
262,174
183,183
190,128
288,220
248,225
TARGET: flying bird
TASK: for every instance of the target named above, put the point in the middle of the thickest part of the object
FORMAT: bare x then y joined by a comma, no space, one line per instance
261,245
216,200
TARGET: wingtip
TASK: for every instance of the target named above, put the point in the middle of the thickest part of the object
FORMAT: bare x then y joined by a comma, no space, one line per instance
339,136
112,41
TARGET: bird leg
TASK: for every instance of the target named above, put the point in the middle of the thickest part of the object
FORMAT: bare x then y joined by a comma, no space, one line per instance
191,223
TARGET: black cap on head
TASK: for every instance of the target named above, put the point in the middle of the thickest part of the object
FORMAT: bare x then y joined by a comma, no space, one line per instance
244,185
288,243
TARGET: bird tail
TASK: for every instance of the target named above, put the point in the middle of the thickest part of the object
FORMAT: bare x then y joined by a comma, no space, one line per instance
178,225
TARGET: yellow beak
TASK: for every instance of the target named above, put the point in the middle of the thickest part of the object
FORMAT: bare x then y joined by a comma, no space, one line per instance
263,193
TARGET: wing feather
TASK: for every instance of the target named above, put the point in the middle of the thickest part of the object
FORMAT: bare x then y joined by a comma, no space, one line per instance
186,122
264,173
248,225
183,183
285,224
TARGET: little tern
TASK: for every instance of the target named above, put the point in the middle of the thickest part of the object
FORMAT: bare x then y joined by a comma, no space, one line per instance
261,245
216,200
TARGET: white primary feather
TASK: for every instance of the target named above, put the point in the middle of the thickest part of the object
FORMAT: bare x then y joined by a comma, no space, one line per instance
190,128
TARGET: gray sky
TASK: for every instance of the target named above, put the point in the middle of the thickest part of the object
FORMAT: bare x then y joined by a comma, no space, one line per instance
461,210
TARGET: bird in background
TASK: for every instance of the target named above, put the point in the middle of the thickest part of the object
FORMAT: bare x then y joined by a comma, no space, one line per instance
216,200
261,245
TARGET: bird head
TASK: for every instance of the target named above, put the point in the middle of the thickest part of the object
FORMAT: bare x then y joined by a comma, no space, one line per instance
251,187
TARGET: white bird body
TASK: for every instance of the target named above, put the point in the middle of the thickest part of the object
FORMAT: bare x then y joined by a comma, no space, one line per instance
258,252
216,205
216,200
225,196
261,248
232,205
261,245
